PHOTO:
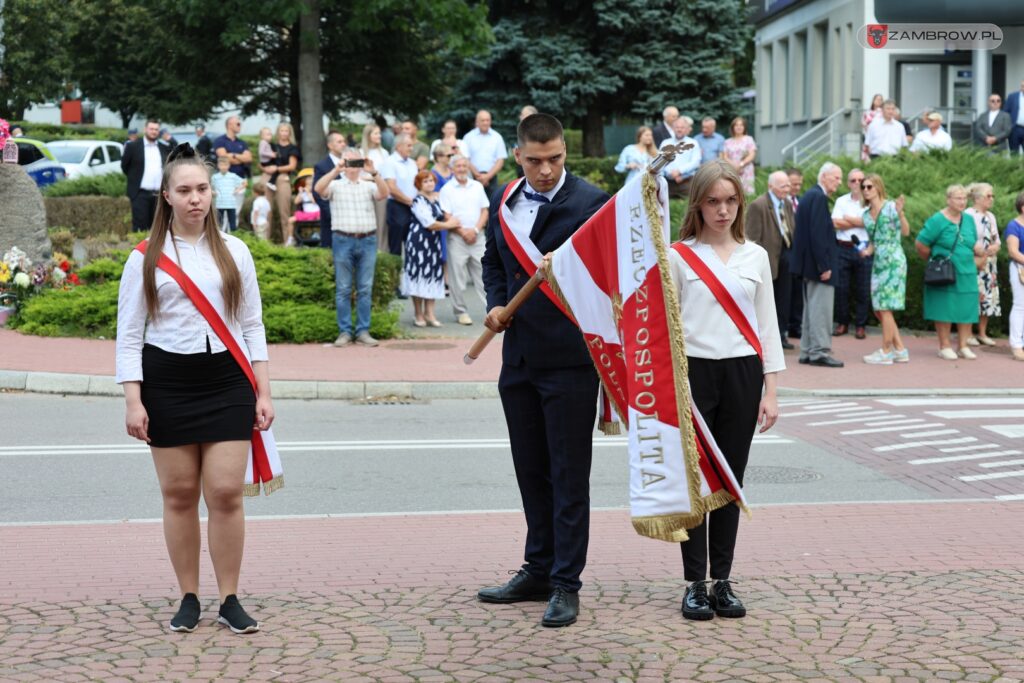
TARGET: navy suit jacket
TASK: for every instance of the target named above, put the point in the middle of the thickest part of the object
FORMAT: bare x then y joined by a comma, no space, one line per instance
814,245
540,334
133,163
1011,105
322,168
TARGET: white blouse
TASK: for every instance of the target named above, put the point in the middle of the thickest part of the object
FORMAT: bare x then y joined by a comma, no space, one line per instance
708,329
180,327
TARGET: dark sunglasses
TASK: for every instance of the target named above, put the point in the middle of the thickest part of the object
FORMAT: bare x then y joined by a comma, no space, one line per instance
867,186
182,151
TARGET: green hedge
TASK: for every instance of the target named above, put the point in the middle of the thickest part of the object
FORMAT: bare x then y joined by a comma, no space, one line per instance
87,216
47,132
296,285
106,185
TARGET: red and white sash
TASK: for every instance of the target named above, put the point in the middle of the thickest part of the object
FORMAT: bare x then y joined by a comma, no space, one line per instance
264,466
726,288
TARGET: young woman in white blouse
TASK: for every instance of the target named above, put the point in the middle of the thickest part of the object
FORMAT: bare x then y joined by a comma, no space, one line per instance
732,385
186,395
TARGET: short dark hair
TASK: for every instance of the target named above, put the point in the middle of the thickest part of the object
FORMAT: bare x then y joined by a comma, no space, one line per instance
540,128
333,132
792,170
149,121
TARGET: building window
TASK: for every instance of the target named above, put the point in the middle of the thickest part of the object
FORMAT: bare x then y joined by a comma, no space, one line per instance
798,76
767,85
780,82
836,63
818,72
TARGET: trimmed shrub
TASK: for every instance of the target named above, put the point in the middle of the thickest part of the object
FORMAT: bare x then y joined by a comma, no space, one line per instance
62,240
89,216
106,185
46,132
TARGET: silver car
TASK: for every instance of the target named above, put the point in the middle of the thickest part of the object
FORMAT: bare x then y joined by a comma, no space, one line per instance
87,157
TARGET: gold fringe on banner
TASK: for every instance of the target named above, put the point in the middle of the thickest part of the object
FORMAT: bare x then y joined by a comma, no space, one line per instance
250,490
610,428
253,490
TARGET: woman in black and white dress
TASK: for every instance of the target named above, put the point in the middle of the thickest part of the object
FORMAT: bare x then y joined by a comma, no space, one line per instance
734,389
423,268
186,396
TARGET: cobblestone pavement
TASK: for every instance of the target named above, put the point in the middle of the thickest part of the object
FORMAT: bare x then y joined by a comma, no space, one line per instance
913,592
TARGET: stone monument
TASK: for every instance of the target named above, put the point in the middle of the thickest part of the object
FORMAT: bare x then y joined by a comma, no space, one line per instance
22,214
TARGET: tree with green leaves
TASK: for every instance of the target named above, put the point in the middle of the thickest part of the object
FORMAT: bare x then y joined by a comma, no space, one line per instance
34,67
586,61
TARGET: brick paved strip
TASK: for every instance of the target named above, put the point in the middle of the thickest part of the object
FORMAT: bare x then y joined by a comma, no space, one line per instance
922,592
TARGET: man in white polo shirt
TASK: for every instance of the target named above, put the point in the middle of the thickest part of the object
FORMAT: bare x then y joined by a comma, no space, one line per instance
400,175
464,198
886,135
852,265
486,149
932,137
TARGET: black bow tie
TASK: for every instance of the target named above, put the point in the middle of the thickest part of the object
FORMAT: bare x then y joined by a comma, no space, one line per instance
536,196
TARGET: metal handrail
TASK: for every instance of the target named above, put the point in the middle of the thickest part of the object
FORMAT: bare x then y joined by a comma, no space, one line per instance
815,129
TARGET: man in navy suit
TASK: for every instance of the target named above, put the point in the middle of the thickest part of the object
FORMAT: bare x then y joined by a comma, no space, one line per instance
335,151
548,385
1014,106
143,163
815,258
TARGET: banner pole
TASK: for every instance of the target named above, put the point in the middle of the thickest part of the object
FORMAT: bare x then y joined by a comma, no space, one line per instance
510,309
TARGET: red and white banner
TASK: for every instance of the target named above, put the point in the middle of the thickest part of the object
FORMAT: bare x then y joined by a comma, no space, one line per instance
614,278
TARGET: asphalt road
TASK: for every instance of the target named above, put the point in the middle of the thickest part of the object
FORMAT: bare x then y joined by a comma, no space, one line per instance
68,459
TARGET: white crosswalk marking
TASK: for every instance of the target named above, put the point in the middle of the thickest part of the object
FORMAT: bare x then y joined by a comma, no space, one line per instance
874,430
864,417
891,421
1003,463
1014,496
918,444
816,410
993,475
934,432
961,449
976,414
1009,431
961,458
953,401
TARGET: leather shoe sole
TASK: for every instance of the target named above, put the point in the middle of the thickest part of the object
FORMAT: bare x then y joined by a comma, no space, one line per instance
861,333
826,362
726,612
483,596
557,623
805,361
698,615
787,346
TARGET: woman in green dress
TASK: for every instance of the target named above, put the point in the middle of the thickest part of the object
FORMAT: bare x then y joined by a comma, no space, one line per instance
952,233
886,225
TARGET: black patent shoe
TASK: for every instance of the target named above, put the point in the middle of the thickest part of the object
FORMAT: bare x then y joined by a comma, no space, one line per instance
724,601
235,618
187,618
520,588
696,604
563,608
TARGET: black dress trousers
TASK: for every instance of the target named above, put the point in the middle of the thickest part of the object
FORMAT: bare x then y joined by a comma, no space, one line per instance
728,393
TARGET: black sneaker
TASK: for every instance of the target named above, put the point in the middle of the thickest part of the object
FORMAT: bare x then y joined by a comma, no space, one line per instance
695,602
187,618
234,617
724,601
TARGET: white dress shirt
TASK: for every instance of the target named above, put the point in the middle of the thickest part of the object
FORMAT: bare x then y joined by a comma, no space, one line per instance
179,326
708,329
848,207
464,201
686,163
992,117
524,211
484,149
926,140
884,137
153,171
403,172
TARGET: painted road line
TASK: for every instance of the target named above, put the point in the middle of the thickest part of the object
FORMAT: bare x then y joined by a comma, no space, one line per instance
846,420
976,414
962,449
919,444
891,420
1009,431
993,475
961,458
849,407
1003,463
934,432
952,401
875,430
1012,496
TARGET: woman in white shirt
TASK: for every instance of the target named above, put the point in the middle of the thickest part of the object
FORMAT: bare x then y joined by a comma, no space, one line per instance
186,395
726,374
373,150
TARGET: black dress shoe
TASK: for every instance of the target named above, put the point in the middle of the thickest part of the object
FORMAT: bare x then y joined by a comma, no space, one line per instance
695,602
805,361
793,334
839,330
861,333
826,362
724,601
563,608
520,588
786,345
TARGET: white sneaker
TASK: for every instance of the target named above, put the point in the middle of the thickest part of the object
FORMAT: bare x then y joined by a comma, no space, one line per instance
968,354
947,354
879,357
464,319
971,341
900,356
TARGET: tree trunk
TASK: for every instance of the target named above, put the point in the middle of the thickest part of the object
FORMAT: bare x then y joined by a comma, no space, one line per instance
593,133
294,107
311,99
126,118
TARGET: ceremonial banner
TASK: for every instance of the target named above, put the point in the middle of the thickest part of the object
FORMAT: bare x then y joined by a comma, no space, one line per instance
613,277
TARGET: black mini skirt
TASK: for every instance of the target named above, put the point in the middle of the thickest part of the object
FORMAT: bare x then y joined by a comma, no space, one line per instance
195,398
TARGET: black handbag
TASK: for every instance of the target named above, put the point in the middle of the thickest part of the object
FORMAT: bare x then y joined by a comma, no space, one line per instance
939,270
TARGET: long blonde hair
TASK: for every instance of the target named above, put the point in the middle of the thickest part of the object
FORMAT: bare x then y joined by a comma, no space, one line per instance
231,288
367,132
705,179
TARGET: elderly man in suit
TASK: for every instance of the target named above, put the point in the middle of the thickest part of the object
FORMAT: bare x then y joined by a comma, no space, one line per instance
663,131
1014,106
548,385
815,258
770,222
335,152
143,163
992,129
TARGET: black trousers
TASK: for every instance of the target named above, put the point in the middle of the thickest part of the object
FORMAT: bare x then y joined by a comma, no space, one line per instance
796,305
727,392
1016,139
143,210
551,414
397,215
853,267
782,286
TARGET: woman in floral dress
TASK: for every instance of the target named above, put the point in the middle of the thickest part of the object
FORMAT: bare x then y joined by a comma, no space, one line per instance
886,225
740,151
982,199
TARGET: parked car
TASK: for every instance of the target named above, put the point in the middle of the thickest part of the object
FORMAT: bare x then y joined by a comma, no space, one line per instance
87,157
38,162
